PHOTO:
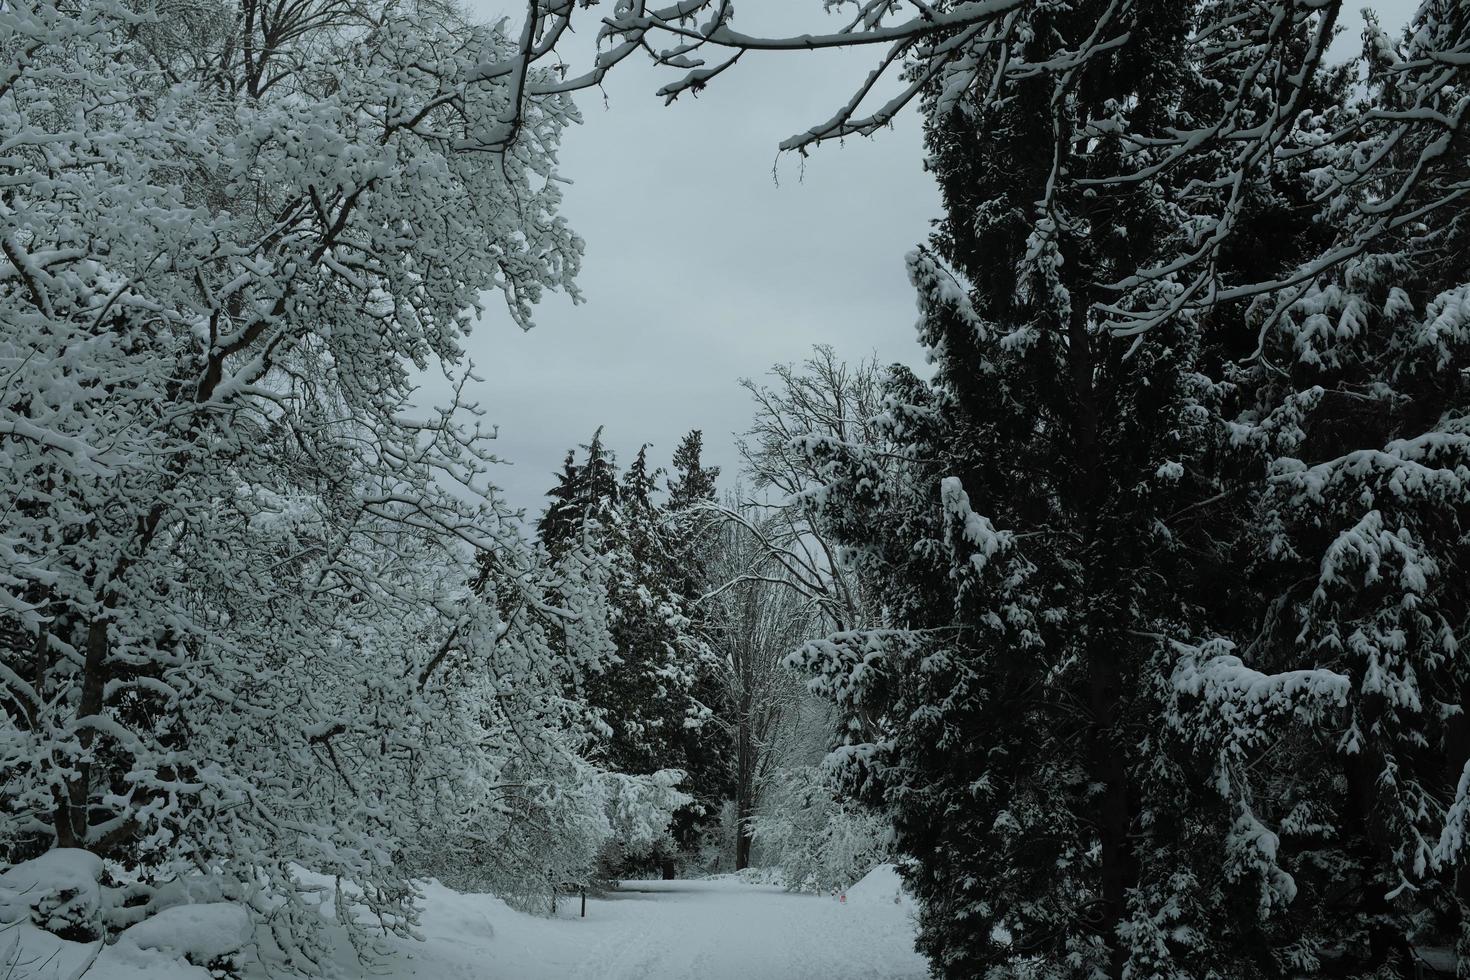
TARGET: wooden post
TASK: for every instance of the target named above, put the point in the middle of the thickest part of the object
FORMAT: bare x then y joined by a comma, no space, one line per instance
584,901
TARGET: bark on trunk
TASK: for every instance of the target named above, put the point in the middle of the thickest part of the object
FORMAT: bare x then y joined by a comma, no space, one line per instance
1114,818
1457,741
1103,648
742,842
72,805
744,787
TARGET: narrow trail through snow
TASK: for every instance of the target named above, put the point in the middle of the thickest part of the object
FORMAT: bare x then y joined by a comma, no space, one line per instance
668,930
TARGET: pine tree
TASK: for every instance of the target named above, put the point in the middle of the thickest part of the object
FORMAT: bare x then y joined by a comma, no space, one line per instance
1168,681
691,539
647,699
584,497
1034,529
693,482
1327,694
562,518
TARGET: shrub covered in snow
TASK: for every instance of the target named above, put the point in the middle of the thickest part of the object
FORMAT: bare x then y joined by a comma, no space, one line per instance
565,829
818,841
58,892
211,935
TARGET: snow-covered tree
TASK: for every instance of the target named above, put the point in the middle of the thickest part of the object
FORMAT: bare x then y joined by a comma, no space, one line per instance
822,399
1328,695
819,841
258,611
754,619
692,482
690,530
645,698
1049,507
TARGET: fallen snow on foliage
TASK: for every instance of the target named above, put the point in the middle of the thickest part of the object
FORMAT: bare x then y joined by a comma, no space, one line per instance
751,876
57,890
125,961
57,868
201,933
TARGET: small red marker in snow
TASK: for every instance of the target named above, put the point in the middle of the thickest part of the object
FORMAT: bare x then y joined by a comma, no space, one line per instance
842,898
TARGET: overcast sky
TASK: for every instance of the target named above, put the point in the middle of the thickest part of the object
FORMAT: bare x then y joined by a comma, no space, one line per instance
701,267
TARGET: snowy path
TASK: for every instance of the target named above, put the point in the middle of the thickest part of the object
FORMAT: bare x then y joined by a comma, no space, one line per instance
649,930
675,930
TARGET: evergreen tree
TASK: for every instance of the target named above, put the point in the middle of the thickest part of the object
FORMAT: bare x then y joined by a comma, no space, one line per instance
693,482
1168,681
647,699
1047,520
585,497
1326,690
691,526
691,538
562,517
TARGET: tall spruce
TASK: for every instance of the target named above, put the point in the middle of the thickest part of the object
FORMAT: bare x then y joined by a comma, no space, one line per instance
650,699
691,538
693,483
1327,690
1037,532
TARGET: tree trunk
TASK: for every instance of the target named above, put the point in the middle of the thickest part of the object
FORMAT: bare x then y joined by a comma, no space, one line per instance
742,839
1103,650
744,786
1457,745
1114,816
73,804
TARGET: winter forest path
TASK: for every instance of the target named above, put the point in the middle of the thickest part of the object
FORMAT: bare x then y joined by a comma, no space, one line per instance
668,930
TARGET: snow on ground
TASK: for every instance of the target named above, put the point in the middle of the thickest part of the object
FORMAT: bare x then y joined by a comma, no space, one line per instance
203,932
882,884
723,929
718,929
